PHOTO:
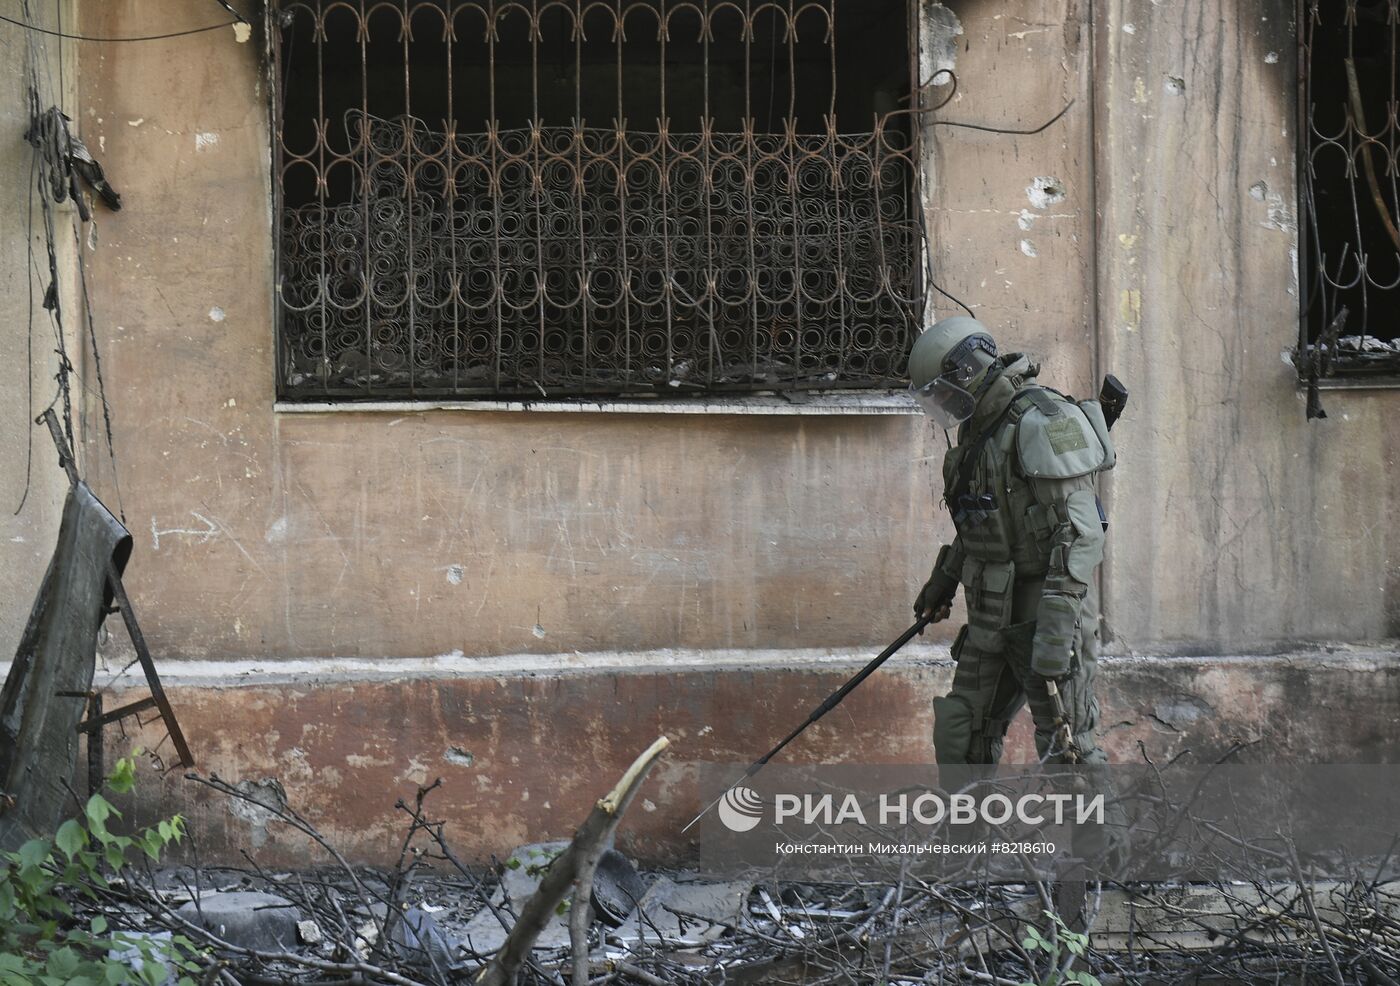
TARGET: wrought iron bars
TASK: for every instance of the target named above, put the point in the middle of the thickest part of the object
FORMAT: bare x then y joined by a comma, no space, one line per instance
554,260
1348,176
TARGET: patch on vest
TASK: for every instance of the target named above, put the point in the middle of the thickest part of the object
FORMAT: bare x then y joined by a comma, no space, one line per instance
1060,447
1065,435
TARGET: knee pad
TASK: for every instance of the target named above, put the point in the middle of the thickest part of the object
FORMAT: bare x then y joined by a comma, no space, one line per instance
952,729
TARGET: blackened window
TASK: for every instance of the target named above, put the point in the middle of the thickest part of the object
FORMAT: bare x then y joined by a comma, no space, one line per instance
593,197
1350,250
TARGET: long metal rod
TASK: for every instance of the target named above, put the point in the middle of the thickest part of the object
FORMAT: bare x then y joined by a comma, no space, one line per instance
832,700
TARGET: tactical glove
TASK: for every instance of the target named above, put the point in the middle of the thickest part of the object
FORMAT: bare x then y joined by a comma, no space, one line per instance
1056,628
936,595
940,588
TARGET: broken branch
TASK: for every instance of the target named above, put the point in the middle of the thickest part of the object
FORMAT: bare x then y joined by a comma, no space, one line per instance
588,843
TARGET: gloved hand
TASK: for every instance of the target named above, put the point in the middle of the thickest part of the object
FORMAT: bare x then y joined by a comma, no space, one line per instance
1056,628
934,600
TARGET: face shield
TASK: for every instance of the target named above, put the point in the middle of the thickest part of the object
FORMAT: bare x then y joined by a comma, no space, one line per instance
948,397
943,400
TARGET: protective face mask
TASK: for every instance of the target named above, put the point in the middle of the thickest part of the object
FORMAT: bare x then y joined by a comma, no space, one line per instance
945,401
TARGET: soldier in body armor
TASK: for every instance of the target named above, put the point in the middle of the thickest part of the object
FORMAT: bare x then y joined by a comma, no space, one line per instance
1019,484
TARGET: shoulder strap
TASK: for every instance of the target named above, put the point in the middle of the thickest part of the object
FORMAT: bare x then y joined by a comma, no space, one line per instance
1043,402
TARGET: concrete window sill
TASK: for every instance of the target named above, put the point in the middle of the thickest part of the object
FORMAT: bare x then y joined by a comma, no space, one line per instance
1368,382
863,402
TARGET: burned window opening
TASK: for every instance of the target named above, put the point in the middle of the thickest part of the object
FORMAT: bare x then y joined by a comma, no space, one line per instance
583,198
1350,256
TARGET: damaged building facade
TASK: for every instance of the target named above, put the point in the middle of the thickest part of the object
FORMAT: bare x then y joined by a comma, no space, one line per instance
494,386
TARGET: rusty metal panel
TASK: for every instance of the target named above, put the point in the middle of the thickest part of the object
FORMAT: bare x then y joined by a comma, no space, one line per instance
453,221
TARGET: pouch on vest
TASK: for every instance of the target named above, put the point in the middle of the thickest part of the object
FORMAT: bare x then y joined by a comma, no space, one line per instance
1056,627
983,527
989,587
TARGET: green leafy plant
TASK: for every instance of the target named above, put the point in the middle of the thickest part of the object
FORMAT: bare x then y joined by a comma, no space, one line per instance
1063,940
45,942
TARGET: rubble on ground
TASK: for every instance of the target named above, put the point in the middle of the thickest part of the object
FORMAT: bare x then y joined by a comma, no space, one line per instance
686,928
581,912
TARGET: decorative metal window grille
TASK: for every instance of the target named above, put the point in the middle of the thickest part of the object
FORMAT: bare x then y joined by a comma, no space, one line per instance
593,197
1348,183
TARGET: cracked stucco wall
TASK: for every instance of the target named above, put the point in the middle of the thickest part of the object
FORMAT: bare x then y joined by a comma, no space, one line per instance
1256,526
1149,232
1124,237
265,537
1152,233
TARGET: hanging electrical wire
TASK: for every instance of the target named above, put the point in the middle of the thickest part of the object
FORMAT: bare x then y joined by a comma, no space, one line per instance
145,37
59,161
916,110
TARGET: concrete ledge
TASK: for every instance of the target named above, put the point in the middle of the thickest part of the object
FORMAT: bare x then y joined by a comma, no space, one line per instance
328,670
784,403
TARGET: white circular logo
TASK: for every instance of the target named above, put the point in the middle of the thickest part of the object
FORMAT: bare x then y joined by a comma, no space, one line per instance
740,809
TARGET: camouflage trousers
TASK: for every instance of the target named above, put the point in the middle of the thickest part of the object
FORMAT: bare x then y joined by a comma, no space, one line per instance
992,684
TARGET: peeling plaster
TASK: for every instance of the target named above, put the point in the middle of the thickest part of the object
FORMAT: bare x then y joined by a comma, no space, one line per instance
1044,191
258,806
1279,215
1181,711
277,533
459,757
940,29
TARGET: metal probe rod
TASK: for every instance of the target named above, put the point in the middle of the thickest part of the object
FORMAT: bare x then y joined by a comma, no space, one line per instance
832,700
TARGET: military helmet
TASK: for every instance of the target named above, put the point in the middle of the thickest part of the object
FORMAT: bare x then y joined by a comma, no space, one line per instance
947,365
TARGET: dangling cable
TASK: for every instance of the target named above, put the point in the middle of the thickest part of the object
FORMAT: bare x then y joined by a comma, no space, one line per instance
97,367
53,147
29,333
923,212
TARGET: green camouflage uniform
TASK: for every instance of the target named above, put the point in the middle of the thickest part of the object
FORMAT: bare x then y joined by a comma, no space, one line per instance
1030,535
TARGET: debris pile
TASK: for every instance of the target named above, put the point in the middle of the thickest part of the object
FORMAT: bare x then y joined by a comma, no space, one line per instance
326,927
579,912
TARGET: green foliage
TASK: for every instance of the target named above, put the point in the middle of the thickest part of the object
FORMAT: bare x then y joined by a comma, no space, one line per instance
538,863
1062,940
43,942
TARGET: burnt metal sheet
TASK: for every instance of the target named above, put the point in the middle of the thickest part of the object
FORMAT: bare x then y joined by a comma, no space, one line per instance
56,654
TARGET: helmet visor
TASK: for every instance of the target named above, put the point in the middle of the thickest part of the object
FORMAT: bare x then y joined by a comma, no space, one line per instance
948,404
